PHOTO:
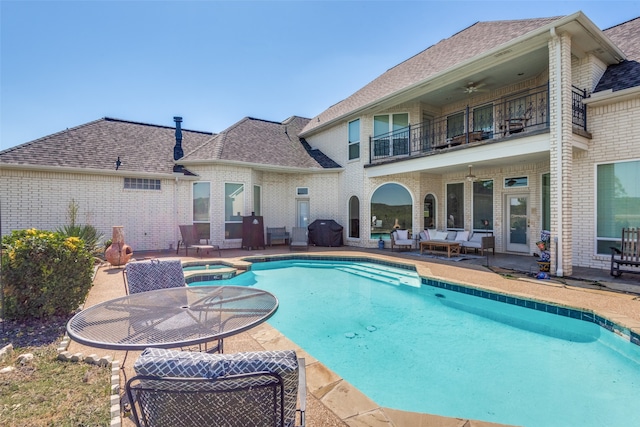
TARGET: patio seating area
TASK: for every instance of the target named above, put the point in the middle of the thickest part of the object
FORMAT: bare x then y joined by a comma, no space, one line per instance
331,401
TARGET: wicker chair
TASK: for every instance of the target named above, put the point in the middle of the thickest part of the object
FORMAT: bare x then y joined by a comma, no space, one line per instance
175,388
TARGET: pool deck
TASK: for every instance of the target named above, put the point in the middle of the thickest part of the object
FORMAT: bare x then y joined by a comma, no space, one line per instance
332,401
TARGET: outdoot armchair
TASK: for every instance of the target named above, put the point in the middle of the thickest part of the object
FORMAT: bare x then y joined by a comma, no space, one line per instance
175,388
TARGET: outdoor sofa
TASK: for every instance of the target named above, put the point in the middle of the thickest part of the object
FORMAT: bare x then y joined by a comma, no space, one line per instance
476,240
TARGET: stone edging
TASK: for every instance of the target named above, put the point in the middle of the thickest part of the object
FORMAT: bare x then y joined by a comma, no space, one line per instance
65,356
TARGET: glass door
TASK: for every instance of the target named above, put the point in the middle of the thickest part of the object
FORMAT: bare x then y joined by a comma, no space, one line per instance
302,213
517,215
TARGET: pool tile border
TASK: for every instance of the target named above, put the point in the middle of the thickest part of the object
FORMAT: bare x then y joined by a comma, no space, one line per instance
532,304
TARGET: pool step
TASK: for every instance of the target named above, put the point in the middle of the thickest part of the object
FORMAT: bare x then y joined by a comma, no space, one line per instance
383,274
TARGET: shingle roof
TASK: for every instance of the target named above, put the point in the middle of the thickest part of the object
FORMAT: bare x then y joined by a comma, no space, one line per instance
626,74
263,142
96,145
460,47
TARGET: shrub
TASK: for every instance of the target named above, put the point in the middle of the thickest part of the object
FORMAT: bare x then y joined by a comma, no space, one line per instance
88,234
44,274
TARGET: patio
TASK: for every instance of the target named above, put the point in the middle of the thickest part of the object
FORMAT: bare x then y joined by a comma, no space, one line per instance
332,401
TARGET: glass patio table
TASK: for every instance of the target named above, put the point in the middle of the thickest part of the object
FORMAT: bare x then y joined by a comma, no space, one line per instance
172,318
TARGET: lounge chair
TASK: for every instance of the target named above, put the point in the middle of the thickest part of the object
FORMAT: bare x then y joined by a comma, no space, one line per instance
191,240
299,239
176,388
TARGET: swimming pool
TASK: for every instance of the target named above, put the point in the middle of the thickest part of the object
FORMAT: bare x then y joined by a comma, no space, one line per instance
434,348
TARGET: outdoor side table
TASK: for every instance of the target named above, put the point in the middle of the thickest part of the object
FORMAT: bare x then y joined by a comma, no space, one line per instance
172,318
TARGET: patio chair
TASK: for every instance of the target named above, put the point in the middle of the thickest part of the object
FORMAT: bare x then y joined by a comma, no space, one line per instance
191,240
175,388
143,276
299,239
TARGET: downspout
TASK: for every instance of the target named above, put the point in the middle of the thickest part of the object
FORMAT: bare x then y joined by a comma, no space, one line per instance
559,125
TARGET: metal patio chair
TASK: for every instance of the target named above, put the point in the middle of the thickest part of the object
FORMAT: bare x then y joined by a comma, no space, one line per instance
174,388
149,275
191,240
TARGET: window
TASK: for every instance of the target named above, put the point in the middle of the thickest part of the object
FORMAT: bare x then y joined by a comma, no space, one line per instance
390,208
354,139
482,205
455,125
391,134
202,208
618,202
233,210
257,200
483,119
455,206
354,217
546,201
302,191
141,184
520,181
429,211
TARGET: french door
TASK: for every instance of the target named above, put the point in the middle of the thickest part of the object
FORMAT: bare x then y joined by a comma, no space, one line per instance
517,214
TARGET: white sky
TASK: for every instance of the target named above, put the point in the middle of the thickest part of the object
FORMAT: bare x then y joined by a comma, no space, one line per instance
66,63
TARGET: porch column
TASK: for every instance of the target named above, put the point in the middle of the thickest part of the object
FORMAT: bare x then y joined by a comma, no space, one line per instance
560,153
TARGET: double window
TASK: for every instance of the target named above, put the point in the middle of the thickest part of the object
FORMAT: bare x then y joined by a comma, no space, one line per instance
391,134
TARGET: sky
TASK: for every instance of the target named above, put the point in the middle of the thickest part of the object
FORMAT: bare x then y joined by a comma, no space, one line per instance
67,63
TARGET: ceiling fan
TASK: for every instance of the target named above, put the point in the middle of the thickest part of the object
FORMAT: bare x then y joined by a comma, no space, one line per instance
472,87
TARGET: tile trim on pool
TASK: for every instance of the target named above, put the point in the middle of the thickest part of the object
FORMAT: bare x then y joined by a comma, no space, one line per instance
573,313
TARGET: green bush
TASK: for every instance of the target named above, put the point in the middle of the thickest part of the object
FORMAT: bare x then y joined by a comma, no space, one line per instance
44,274
88,234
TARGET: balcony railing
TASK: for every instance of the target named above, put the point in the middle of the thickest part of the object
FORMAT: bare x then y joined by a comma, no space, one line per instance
496,119
578,108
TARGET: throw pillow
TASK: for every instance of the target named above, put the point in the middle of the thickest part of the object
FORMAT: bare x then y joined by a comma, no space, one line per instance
462,236
402,234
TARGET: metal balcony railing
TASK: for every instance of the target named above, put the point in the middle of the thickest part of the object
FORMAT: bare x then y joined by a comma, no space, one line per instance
496,119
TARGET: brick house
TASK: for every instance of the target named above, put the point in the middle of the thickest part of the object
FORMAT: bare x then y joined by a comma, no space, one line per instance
508,126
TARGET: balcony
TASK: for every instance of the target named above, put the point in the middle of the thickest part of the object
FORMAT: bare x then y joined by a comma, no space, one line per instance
498,119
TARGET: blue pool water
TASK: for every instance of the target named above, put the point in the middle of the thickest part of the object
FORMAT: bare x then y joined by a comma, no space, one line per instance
426,349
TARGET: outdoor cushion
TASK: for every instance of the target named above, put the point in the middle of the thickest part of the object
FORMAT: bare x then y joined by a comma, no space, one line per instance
402,234
462,236
424,235
439,235
184,364
451,234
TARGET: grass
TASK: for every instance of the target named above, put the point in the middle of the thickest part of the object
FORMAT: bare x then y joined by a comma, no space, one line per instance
50,392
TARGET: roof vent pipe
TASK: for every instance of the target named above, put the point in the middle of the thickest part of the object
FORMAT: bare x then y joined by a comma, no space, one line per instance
177,150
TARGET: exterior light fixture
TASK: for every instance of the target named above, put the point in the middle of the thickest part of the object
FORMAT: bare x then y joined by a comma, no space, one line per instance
470,177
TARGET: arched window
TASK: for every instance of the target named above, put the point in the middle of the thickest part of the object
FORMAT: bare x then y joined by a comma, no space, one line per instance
429,211
354,217
390,208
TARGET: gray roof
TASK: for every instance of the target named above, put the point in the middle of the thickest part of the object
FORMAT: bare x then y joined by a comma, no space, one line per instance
265,142
460,47
626,74
96,145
